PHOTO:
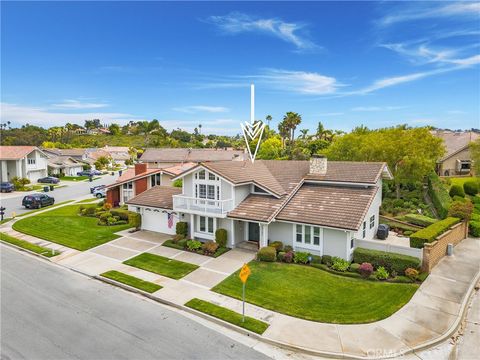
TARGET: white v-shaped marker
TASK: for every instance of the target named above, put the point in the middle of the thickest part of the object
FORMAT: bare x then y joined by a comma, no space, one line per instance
253,129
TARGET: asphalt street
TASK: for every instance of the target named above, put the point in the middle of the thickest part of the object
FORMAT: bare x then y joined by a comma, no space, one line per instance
49,312
13,201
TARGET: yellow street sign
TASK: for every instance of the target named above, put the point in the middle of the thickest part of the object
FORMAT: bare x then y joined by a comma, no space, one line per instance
244,273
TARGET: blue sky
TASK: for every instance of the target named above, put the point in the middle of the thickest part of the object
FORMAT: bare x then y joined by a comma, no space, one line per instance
185,63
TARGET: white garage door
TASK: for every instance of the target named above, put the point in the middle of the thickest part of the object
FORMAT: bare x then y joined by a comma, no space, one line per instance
157,220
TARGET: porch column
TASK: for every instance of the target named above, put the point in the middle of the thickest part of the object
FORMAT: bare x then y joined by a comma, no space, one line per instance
192,227
263,235
18,168
232,232
4,171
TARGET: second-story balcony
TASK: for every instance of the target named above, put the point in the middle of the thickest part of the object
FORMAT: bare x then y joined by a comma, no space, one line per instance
202,206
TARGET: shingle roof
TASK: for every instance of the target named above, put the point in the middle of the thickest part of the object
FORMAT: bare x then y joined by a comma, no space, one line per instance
157,196
256,207
66,152
455,141
178,155
15,152
62,161
350,171
333,206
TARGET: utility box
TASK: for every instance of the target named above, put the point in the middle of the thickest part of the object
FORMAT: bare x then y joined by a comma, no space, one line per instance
449,249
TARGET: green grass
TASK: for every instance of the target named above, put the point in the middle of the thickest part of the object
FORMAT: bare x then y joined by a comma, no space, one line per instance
28,246
64,226
45,208
313,294
161,265
74,178
461,180
227,315
172,244
93,199
131,281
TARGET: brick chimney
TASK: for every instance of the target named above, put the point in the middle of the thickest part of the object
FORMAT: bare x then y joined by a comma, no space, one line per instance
140,168
318,165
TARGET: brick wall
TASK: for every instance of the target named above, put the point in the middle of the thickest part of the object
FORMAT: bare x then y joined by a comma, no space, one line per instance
141,185
113,196
433,252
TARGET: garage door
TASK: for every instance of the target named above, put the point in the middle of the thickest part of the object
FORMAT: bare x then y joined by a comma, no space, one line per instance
157,220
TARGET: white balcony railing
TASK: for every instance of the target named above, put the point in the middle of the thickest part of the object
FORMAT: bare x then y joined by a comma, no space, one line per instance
181,202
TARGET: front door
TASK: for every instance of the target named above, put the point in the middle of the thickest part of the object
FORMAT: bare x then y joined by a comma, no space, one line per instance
253,231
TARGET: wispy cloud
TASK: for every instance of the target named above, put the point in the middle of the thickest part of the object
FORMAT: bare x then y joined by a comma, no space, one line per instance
432,10
201,108
236,22
377,108
76,104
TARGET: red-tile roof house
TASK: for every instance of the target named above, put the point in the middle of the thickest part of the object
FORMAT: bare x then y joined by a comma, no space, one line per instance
319,206
22,161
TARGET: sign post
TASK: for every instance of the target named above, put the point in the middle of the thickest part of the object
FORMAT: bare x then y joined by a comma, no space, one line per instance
244,274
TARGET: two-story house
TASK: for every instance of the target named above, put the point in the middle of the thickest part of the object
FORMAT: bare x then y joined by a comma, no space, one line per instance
315,206
22,161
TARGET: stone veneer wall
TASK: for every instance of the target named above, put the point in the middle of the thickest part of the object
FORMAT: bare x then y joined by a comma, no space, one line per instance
433,252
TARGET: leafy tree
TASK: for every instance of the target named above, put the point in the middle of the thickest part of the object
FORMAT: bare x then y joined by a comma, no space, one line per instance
181,135
92,124
270,149
114,129
102,162
411,153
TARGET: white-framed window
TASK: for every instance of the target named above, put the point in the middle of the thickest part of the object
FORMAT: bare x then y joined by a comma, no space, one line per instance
155,179
206,186
351,243
31,161
308,235
364,229
201,174
372,221
205,224
128,185
211,176
258,190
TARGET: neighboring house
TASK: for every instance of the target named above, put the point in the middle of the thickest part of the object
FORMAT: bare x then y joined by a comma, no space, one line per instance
165,157
118,154
135,181
79,154
315,206
64,166
458,159
22,161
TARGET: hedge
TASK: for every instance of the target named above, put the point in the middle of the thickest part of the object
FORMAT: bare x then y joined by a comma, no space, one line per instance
471,187
267,253
474,228
221,237
430,233
421,220
181,228
390,261
457,190
439,195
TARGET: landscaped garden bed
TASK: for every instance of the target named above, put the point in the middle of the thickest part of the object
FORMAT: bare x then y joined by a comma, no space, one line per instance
131,281
64,226
309,293
228,315
161,265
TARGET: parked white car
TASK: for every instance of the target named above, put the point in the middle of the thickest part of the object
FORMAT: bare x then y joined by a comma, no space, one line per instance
100,193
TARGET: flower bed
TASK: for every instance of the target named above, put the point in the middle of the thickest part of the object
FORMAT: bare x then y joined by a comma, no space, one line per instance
182,245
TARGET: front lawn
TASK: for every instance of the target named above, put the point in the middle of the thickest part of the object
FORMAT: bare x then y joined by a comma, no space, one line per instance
131,281
161,265
64,226
74,178
45,208
228,315
317,295
28,245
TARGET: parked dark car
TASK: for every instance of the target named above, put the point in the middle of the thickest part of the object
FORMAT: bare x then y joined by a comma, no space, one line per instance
382,232
6,187
49,180
36,201
98,187
89,173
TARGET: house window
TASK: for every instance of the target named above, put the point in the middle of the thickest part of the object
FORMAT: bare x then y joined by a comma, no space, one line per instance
205,224
316,236
258,190
128,185
372,221
308,234
211,192
299,233
211,176
202,191
155,179
351,244
201,175
31,161
364,231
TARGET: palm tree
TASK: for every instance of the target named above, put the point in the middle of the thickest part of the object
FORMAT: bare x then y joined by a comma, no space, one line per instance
304,133
200,128
292,120
268,118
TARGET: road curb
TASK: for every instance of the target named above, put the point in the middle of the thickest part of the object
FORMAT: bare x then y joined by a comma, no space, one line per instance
424,346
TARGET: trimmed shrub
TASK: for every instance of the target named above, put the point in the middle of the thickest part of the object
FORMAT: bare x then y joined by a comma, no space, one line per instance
210,247
122,214
382,273
439,195
475,217
412,274
421,220
287,248
135,219
390,261
104,216
327,260
221,237
107,206
266,253
365,269
354,267
300,257
89,211
193,245
181,228
456,190
278,245
430,233
316,259
281,256
474,228
288,257
183,243
340,264
461,209
471,187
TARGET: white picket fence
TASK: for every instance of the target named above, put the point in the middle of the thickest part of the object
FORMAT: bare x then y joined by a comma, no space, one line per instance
381,246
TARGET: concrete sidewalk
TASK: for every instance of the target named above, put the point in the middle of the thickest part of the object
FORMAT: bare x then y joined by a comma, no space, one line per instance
432,314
